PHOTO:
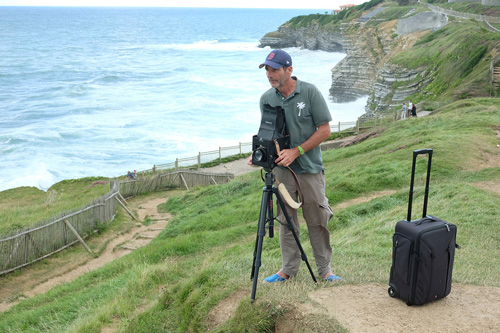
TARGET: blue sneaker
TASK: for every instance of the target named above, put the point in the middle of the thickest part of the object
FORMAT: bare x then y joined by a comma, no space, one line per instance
274,278
332,278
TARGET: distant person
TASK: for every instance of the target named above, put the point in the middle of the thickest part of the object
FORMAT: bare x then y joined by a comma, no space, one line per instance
414,110
410,107
307,119
130,175
403,111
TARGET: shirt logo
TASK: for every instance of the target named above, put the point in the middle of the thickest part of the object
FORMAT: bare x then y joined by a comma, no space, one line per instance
300,106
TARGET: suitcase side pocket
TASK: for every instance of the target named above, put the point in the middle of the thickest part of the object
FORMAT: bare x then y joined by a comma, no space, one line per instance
401,259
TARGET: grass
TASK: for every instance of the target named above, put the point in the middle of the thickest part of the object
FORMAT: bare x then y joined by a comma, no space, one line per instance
205,253
25,206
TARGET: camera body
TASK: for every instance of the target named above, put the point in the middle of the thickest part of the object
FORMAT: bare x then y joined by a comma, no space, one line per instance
271,138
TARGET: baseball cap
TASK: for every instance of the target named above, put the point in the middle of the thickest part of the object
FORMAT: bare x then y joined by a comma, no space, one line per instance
277,59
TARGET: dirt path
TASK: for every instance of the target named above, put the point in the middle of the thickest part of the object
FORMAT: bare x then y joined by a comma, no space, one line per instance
26,285
368,308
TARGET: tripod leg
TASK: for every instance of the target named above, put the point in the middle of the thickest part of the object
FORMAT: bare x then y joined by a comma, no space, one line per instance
292,229
261,232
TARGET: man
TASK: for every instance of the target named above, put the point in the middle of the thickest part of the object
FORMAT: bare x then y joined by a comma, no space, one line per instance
403,111
307,120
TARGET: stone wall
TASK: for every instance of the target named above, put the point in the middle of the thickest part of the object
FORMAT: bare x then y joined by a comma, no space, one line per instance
449,1
490,2
421,21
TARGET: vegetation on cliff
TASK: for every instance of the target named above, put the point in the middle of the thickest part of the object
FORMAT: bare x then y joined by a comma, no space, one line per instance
322,19
456,59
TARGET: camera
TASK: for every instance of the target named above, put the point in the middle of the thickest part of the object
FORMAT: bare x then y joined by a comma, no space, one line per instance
271,138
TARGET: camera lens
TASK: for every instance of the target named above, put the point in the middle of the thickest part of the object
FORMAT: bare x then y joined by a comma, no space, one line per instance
259,154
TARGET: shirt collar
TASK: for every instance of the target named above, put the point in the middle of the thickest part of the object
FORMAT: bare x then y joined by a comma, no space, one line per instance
296,91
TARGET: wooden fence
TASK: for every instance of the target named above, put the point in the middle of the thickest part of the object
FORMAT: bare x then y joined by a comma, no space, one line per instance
241,148
63,231
184,179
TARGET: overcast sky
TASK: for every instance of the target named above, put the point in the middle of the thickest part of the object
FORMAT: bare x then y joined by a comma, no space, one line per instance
310,4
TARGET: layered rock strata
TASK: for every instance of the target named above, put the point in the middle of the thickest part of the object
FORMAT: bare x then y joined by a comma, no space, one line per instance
366,70
312,37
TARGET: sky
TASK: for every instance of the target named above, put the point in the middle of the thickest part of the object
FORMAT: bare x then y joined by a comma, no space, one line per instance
310,4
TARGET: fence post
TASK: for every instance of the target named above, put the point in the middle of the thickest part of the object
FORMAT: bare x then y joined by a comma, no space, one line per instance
339,127
357,126
220,153
126,209
78,236
176,163
239,144
199,160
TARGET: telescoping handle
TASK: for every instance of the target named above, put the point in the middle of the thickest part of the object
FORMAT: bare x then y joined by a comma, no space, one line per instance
426,196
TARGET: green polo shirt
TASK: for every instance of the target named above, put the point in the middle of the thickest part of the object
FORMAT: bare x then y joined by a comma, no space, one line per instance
305,110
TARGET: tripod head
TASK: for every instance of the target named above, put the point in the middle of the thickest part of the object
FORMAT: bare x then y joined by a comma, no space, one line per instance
269,178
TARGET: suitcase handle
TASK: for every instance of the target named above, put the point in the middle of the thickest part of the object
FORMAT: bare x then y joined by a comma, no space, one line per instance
426,196
422,151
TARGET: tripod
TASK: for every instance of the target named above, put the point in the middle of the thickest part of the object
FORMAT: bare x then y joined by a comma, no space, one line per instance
267,218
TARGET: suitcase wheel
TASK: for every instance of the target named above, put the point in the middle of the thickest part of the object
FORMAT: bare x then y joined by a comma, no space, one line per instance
393,291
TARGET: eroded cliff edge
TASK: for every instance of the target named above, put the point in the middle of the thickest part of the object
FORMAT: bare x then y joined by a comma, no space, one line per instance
369,45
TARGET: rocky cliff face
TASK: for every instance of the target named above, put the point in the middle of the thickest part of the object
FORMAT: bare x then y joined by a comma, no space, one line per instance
366,69
312,37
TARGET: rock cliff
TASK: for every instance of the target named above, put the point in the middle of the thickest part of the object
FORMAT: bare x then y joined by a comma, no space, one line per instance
366,69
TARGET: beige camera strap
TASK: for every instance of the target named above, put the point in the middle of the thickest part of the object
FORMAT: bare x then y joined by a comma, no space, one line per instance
282,188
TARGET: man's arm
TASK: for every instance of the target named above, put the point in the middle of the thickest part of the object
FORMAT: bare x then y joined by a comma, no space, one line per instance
287,156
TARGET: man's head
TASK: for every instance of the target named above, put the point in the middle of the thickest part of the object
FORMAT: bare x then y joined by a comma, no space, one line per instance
277,59
279,69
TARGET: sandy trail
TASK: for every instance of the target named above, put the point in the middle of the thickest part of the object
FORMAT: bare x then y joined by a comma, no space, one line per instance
117,247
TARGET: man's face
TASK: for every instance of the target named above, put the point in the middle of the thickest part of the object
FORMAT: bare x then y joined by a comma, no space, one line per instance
277,77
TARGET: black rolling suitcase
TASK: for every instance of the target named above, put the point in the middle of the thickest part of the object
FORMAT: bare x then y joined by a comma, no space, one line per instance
422,252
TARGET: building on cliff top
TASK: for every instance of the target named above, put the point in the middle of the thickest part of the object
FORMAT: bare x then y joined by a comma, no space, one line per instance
342,7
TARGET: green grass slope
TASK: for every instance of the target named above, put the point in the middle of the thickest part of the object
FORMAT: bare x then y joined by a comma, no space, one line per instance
206,251
25,207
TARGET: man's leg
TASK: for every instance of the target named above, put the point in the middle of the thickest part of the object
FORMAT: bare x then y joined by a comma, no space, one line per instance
317,214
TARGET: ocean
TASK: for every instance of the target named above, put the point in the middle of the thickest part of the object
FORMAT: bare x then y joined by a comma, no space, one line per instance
98,91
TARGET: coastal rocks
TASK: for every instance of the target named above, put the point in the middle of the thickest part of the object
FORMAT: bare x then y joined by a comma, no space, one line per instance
393,86
353,76
312,37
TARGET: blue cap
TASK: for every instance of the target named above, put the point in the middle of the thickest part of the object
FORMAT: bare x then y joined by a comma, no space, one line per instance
277,59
